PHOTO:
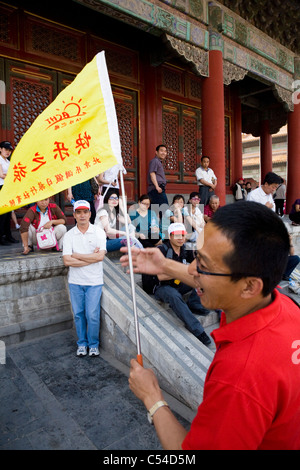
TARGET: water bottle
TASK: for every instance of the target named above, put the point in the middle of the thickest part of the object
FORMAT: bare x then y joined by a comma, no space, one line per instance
153,222
292,283
133,242
72,202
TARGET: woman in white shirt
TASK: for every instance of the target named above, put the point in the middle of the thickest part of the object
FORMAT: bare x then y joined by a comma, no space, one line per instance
6,237
193,218
173,214
112,219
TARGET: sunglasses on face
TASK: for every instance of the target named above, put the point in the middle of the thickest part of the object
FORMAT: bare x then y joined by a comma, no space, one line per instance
115,198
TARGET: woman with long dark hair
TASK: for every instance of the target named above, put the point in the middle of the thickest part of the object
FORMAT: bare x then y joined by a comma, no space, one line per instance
112,219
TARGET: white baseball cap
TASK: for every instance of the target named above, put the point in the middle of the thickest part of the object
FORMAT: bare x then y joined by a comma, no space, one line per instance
177,229
81,205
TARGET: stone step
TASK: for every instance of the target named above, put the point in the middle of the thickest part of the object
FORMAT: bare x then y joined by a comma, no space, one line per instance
179,359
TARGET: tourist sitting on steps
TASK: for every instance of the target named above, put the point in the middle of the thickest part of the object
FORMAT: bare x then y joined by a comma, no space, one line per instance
172,291
44,214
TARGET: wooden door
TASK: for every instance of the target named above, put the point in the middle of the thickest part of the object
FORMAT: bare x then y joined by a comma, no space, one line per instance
182,137
126,109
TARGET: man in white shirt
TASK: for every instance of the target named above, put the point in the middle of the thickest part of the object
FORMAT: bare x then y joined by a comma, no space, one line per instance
206,179
84,248
264,194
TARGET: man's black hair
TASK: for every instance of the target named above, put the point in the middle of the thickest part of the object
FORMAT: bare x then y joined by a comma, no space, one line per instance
272,178
260,239
159,146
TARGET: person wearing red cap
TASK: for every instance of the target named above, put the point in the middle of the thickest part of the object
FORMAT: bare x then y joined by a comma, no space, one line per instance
6,237
238,190
171,290
84,248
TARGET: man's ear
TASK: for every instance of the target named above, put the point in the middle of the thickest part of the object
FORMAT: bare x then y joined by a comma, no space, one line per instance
253,287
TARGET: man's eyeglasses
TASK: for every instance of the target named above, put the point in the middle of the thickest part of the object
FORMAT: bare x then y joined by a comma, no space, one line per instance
115,198
207,273
199,271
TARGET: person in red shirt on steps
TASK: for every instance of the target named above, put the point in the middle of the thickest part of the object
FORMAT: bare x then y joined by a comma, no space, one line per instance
251,396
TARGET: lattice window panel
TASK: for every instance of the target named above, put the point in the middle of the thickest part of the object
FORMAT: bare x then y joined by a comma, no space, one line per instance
8,27
170,139
189,144
119,63
195,89
5,35
50,41
28,101
125,115
172,81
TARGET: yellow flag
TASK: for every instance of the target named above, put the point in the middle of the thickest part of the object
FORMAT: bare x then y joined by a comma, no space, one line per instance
75,138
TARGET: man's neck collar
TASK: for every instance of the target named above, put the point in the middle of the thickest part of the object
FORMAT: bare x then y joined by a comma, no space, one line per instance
84,228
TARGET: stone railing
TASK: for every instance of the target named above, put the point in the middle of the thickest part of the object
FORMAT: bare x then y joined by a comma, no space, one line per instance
34,298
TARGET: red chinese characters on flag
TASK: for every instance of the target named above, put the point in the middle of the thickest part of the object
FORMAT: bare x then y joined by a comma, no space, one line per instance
39,160
60,151
19,172
83,142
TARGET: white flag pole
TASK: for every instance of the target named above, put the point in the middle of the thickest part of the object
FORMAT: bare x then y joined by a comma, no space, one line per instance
136,321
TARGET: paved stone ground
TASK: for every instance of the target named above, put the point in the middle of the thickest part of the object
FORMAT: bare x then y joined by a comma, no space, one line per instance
52,400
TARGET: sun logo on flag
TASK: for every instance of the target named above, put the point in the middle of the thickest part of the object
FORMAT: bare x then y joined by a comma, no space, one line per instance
70,110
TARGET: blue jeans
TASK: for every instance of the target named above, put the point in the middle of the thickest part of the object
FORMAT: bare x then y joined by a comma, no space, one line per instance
113,244
293,261
85,302
174,298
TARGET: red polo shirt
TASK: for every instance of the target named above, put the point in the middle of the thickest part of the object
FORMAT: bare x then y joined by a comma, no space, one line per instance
251,395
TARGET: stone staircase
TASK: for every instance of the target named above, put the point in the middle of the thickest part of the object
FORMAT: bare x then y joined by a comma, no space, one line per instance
34,302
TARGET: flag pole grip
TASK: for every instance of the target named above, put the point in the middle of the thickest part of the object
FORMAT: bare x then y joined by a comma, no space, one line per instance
139,359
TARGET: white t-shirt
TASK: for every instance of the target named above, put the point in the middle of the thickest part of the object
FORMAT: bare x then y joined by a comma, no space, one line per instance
103,212
258,195
44,218
85,243
197,217
5,164
207,175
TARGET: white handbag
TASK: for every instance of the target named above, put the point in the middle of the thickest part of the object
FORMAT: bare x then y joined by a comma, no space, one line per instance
46,238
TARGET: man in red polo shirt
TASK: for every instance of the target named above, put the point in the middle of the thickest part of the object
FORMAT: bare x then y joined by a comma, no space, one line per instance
251,396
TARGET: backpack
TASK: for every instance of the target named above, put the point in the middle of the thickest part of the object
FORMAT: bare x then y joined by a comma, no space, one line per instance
150,281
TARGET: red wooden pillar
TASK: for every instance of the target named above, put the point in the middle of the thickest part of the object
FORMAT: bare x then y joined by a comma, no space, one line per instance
265,149
237,139
293,174
213,132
